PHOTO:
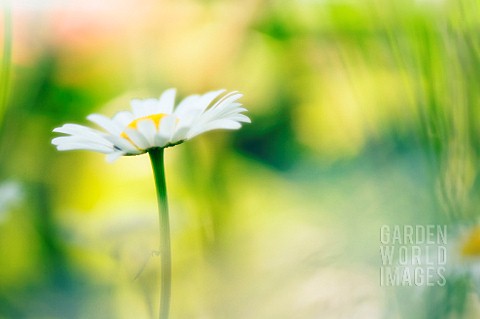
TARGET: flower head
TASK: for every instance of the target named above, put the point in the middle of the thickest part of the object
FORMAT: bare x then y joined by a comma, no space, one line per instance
463,255
154,123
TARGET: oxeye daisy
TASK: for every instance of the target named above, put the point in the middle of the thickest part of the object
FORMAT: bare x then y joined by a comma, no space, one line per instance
154,123
152,126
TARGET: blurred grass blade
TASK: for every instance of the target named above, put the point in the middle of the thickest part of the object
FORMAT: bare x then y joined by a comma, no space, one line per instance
6,58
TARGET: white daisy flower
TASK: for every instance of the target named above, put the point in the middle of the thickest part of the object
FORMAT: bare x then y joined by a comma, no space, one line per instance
460,257
465,254
154,123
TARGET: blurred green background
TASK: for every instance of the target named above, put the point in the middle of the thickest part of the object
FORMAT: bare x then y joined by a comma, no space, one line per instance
363,113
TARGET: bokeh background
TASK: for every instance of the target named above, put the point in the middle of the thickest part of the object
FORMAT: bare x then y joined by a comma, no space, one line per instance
364,113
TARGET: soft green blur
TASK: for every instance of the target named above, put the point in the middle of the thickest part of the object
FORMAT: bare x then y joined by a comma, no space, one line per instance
364,113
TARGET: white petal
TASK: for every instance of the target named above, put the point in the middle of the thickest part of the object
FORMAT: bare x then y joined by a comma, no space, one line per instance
137,138
180,133
240,118
80,139
187,103
142,108
123,144
184,124
214,125
230,112
105,122
222,124
75,129
84,146
148,129
191,110
225,113
166,102
227,99
208,97
196,104
220,110
112,157
123,118
165,131
80,134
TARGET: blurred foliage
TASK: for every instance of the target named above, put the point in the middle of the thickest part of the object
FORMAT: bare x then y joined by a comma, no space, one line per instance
364,113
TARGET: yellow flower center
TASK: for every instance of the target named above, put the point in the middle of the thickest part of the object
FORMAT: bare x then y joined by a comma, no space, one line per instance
471,247
156,118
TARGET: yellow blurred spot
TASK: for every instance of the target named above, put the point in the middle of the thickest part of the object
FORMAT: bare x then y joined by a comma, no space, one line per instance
471,247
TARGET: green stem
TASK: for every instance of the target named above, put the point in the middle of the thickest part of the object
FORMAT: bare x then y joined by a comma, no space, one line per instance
156,157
